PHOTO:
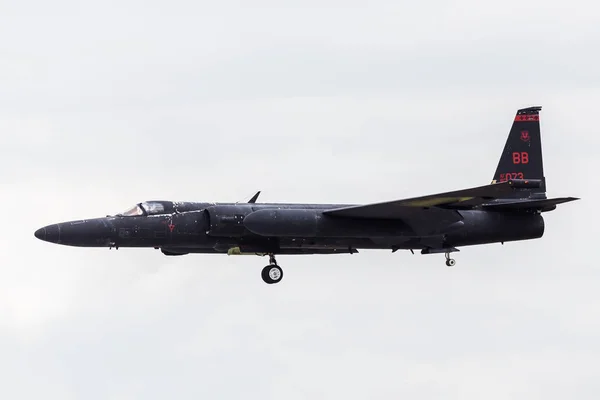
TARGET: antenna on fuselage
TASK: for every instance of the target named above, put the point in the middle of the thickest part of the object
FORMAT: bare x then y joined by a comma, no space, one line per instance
253,199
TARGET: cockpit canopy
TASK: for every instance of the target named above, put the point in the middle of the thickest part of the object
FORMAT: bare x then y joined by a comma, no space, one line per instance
148,208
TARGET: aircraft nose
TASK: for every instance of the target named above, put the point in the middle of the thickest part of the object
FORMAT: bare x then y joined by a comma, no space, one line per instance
87,233
40,234
50,233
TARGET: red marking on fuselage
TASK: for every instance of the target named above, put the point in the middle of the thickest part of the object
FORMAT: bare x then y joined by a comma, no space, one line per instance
171,227
527,118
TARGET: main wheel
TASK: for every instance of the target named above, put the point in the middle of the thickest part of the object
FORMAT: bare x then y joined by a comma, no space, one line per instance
272,274
450,262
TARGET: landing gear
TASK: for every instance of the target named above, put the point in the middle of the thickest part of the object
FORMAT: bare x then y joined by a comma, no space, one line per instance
272,273
450,262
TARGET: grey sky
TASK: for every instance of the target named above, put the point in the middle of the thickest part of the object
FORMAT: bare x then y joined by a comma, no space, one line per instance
104,105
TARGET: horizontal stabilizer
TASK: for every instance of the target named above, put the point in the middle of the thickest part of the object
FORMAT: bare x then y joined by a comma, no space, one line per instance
542,204
399,209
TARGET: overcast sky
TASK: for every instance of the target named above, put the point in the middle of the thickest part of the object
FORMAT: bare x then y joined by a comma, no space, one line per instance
107,104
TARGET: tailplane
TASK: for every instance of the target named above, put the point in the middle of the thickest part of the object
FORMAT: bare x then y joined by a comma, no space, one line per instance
522,154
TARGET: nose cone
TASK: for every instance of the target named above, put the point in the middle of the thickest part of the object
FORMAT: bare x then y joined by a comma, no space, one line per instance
50,233
87,233
40,234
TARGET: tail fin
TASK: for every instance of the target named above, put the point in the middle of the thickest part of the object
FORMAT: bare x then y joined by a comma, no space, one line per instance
522,154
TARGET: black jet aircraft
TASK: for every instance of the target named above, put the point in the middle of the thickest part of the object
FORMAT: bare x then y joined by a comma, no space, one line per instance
507,209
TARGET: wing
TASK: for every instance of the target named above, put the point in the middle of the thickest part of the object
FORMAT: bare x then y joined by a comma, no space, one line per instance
440,204
433,214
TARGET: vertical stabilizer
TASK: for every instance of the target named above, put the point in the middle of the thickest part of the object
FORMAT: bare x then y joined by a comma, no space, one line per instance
522,154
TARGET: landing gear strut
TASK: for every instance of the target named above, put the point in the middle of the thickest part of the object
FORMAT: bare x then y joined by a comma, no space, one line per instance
450,262
272,273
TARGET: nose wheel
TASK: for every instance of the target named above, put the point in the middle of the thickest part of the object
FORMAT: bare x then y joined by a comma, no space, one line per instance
450,262
272,273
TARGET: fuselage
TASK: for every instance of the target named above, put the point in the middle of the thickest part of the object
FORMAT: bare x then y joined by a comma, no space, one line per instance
237,228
